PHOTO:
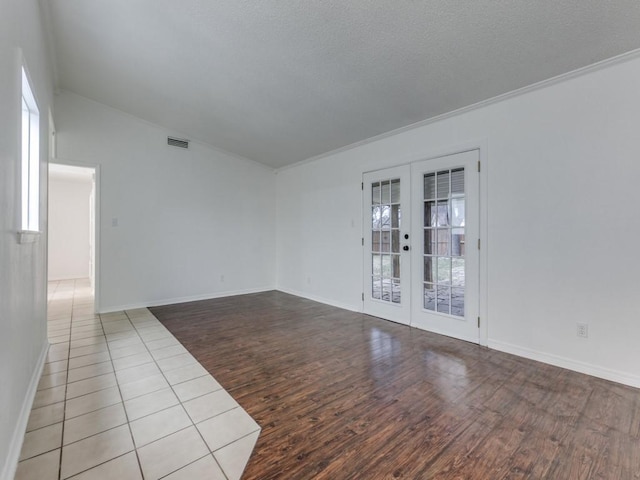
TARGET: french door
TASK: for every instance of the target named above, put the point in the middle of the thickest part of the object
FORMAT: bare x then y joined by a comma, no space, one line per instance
421,245
387,262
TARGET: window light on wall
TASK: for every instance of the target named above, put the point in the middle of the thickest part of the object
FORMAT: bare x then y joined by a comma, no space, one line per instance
30,218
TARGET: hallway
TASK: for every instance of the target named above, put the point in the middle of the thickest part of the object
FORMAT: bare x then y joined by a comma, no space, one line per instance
121,398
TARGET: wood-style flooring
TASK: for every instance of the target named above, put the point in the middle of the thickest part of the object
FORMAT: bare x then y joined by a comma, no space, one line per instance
341,395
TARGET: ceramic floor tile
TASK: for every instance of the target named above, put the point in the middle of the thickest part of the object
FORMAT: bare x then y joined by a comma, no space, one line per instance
155,334
54,356
88,334
42,467
118,326
157,425
177,361
209,405
52,380
122,335
226,428
161,343
169,351
86,360
127,351
89,371
132,361
206,467
125,342
137,373
153,402
184,374
144,386
90,385
41,440
121,468
49,396
85,342
93,451
171,453
55,367
93,401
196,388
92,423
59,340
45,416
234,457
88,350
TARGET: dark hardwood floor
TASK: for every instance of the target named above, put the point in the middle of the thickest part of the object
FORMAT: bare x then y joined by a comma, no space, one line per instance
341,395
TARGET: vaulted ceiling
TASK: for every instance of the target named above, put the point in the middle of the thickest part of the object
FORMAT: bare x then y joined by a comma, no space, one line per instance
280,81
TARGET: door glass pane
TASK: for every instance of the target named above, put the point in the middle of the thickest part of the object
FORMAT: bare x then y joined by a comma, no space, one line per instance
430,186
376,288
444,241
386,266
395,241
457,301
429,242
430,214
444,299
457,182
429,296
386,240
395,191
386,192
457,272
396,266
442,181
376,213
375,241
443,214
395,216
375,193
396,293
385,217
444,271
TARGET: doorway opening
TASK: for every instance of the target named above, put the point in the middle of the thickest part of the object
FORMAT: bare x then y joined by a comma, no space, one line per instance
72,230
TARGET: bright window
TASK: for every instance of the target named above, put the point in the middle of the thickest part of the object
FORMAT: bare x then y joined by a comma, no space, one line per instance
30,158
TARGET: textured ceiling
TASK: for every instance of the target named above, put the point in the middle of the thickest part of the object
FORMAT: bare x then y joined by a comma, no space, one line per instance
279,81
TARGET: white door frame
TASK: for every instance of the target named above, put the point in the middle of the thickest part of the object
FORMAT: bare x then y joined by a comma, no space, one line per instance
482,146
96,232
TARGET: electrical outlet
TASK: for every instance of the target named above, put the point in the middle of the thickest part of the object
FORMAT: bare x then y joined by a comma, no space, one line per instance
583,330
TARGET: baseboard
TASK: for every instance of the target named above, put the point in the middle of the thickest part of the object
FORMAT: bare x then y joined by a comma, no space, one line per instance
563,362
11,460
192,298
326,301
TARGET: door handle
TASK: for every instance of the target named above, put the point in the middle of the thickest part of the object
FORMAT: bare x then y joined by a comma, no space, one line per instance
406,248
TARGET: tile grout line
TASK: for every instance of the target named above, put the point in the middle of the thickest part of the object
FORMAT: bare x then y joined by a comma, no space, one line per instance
174,392
126,415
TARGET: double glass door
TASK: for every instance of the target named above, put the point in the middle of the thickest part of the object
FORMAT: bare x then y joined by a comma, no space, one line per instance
421,262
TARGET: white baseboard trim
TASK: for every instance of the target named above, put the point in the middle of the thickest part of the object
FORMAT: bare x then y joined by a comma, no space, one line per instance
11,460
563,362
326,301
193,298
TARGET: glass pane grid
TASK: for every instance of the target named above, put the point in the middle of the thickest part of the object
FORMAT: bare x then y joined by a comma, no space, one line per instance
386,220
444,228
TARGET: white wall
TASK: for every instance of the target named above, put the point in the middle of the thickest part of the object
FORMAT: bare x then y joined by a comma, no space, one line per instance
68,227
185,218
22,266
563,177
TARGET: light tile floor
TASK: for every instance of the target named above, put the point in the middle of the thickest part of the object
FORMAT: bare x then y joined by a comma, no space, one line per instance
121,398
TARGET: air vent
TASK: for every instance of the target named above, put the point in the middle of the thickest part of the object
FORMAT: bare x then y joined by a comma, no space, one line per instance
177,142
